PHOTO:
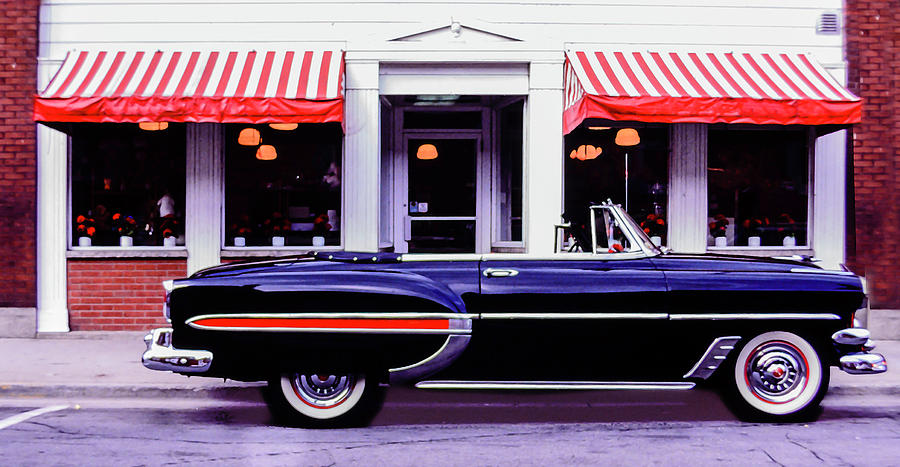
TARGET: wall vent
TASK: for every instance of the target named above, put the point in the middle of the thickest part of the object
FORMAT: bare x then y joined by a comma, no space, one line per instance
828,23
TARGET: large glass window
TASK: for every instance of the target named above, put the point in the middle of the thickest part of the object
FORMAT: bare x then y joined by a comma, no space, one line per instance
508,178
283,185
128,185
758,187
627,164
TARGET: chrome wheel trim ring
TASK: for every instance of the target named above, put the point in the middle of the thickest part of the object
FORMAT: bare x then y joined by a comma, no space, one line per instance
329,398
790,399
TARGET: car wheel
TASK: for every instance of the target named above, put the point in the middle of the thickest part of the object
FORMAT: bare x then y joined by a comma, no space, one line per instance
315,400
778,376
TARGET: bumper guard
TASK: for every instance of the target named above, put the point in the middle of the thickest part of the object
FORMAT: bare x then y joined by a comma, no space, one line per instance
854,345
161,356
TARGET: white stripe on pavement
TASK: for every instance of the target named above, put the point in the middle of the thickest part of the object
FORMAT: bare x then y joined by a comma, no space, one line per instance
8,422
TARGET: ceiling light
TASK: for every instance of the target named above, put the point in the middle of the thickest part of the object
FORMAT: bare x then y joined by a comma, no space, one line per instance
283,126
249,137
627,137
266,152
426,152
153,126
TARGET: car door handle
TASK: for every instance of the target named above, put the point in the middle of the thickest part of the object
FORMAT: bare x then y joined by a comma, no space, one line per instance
491,272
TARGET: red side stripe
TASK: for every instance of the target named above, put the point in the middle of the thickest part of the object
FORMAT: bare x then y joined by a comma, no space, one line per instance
78,62
785,77
113,68
154,62
589,70
245,75
610,74
303,82
207,73
688,75
630,74
226,74
721,68
91,73
765,77
649,74
264,74
668,74
126,80
285,74
709,77
740,69
323,75
167,75
188,72
327,323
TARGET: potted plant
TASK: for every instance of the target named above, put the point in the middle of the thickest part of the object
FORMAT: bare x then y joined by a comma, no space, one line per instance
169,228
240,230
321,225
84,229
655,227
124,227
718,228
786,227
754,228
277,226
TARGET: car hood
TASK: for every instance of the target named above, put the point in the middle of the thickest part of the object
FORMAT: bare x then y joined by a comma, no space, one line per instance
729,262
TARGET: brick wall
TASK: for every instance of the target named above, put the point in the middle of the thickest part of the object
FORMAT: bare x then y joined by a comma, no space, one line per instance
872,31
18,79
119,295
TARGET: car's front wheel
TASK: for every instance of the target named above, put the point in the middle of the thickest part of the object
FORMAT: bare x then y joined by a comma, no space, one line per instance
317,400
778,376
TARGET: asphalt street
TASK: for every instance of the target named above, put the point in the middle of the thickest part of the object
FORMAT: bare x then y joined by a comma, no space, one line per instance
450,428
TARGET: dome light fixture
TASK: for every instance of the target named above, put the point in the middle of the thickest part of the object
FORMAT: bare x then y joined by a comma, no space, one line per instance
249,137
627,137
283,126
266,152
426,152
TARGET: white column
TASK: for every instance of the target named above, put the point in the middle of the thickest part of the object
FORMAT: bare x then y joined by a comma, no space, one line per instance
829,199
688,188
205,195
543,166
52,234
362,158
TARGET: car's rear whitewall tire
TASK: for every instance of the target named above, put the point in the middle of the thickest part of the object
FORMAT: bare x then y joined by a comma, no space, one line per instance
324,400
778,376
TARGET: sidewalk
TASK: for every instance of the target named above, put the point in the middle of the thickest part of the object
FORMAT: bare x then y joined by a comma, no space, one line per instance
100,365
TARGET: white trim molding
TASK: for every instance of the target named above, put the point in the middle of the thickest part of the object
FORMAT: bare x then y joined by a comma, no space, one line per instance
204,195
829,205
687,188
52,234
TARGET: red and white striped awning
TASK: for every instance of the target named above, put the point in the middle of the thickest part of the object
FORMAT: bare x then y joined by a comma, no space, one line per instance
212,86
703,87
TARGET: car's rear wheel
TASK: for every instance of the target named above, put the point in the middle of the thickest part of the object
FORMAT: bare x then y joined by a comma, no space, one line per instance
778,376
318,400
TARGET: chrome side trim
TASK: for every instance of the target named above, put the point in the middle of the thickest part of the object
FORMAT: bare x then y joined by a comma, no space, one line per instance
453,347
554,385
755,316
458,323
161,356
715,355
443,332
821,271
574,316
342,315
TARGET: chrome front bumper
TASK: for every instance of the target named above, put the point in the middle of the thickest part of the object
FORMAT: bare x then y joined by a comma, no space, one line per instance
854,345
160,354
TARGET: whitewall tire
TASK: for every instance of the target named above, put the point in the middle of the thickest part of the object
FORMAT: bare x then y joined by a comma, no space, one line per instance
324,400
778,376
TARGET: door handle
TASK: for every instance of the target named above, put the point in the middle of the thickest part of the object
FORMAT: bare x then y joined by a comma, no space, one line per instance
491,272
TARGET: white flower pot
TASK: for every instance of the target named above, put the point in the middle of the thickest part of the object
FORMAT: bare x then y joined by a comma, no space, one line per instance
240,241
277,241
126,241
169,242
721,241
318,241
754,241
657,240
789,241
84,241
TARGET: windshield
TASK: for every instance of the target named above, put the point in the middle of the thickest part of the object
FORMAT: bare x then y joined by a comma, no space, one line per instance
642,236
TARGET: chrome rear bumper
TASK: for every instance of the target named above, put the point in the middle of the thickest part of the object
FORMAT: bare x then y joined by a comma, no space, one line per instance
160,354
854,345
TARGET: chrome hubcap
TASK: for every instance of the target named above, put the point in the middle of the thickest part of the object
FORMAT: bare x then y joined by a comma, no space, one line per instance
323,391
776,372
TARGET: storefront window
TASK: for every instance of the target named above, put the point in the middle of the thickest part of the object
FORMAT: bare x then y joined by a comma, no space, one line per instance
283,185
612,162
128,185
509,177
758,187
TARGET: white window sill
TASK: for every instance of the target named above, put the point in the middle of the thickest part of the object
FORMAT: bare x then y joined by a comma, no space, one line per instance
126,252
271,251
762,250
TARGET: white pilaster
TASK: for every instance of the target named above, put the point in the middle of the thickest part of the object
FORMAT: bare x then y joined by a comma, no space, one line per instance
688,188
362,158
829,199
205,194
52,234
543,157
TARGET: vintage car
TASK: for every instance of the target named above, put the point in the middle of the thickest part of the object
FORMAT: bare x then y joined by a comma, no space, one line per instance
329,331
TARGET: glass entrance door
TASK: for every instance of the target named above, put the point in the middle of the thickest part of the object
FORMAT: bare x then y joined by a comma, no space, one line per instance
441,194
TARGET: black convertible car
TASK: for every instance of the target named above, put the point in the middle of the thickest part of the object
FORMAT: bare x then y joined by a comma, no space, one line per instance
329,331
